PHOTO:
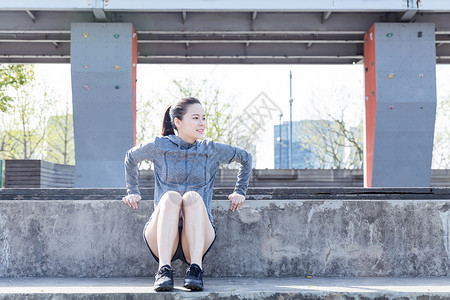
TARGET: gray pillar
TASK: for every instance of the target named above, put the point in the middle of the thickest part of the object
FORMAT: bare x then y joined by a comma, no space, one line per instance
103,63
400,74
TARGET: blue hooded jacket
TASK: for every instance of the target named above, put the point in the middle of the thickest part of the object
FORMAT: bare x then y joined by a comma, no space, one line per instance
181,166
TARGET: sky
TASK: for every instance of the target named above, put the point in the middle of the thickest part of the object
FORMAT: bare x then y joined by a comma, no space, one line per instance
316,89
238,83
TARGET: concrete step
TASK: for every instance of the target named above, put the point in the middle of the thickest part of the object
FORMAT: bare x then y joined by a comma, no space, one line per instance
277,233
227,288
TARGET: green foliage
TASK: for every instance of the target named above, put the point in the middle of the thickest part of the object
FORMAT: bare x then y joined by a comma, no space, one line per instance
15,145
59,139
13,77
149,118
24,127
34,126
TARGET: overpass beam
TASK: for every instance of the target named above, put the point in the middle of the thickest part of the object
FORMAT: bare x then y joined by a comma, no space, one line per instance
400,102
103,66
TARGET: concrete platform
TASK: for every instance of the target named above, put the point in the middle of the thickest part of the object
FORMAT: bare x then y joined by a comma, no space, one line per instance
228,288
277,233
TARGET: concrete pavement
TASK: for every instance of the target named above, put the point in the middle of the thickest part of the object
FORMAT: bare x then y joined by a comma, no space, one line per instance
228,288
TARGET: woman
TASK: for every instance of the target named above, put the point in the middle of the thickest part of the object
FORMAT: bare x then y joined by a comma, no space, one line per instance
181,226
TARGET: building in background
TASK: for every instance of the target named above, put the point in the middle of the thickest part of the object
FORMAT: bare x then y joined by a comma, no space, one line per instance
300,154
317,144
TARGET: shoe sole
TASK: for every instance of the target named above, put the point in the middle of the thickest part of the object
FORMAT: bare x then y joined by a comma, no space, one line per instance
164,288
193,287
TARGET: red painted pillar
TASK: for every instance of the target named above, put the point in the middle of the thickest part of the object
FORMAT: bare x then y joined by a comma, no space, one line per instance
370,102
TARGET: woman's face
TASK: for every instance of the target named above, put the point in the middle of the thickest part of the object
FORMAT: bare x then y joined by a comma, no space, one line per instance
193,124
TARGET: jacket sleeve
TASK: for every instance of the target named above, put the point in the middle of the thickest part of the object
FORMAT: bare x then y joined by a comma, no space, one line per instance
229,154
132,158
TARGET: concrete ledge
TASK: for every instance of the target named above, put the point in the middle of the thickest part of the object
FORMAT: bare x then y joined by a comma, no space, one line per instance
228,288
267,238
298,193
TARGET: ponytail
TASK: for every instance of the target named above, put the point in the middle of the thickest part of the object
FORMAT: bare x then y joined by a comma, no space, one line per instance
167,125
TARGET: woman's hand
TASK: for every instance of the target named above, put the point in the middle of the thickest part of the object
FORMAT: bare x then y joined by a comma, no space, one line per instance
132,200
236,201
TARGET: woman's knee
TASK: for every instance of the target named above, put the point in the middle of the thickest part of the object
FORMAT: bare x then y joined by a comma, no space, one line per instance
191,198
171,197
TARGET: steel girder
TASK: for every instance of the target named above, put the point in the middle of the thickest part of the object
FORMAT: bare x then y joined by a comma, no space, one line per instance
40,35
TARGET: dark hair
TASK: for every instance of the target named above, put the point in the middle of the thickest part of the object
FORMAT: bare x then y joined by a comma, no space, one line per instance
177,111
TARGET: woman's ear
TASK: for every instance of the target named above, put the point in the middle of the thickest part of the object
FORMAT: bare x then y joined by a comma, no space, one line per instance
177,123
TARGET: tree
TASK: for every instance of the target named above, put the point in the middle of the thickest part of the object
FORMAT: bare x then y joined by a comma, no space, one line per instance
219,115
332,140
37,126
342,142
441,146
12,78
322,140
24,127
148,118
60,140
221,121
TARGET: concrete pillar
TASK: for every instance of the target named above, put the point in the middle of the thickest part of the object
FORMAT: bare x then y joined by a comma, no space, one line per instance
400,75
103,62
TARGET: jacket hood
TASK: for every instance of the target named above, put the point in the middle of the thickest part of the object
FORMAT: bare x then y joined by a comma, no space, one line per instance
181,143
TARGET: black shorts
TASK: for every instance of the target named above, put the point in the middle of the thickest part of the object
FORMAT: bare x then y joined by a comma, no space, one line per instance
179,254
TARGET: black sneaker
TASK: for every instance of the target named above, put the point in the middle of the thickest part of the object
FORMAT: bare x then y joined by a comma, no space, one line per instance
194,278
164,279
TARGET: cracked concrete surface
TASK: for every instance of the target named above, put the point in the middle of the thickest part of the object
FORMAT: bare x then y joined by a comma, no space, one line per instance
277,238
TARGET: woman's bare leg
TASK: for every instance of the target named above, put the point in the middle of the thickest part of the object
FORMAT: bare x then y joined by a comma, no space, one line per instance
198,233
162,231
